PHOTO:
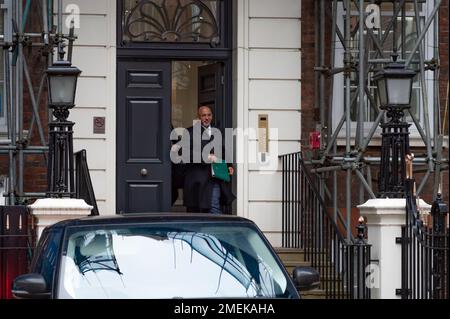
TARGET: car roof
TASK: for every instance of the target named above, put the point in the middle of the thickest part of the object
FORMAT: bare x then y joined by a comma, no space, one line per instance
149,218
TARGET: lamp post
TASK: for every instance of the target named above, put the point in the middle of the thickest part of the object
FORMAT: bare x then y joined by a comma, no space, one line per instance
394,84
62,83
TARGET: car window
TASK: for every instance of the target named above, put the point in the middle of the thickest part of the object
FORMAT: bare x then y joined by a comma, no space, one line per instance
186,260
47,253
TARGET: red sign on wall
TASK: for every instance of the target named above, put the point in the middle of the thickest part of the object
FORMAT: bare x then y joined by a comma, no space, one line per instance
314,140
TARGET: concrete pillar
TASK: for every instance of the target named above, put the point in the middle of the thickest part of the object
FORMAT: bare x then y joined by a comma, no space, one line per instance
385,218
49,211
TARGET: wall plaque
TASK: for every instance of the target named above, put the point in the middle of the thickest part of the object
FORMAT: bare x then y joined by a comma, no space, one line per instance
99,125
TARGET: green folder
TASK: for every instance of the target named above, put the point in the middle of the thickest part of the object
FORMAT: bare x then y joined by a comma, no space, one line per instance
219,170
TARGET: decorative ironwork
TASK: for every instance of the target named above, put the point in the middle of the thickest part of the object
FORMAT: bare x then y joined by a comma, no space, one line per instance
61,159
172,21
394,147
61,113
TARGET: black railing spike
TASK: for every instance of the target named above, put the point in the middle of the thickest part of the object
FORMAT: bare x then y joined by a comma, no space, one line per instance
361,230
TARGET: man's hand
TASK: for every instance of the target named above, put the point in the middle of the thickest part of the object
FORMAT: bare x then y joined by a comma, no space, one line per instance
231,171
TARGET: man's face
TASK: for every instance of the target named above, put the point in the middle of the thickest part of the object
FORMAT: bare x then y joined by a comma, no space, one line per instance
205,116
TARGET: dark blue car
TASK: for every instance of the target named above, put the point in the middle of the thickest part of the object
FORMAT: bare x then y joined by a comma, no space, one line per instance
158,257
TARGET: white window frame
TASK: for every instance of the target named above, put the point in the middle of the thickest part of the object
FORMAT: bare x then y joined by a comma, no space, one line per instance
339,85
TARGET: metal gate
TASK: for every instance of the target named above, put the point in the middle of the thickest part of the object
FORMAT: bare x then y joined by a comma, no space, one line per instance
425,243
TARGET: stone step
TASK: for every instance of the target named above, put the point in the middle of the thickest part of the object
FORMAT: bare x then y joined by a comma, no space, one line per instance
290,265
324,265
292,257
313,294
296,250
319,294
290,254
337,286
323,279
288,250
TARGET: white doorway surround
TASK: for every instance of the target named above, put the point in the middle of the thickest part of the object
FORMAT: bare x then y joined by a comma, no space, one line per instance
267,58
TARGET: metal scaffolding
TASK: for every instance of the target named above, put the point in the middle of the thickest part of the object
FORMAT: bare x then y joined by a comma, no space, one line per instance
364,50
17,78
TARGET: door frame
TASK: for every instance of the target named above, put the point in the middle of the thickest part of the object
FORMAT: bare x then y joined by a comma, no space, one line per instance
158,52
227,101
228,94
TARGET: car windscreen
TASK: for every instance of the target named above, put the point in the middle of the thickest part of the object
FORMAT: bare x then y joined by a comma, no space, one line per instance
177,260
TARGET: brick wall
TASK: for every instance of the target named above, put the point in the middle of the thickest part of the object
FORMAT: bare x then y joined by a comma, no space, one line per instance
35,176
310,114
310,58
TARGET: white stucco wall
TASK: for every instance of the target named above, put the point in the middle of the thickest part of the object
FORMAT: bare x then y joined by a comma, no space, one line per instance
95,54
267,81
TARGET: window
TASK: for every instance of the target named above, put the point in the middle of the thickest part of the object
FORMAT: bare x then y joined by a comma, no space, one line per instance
220,262
47,252
403,50
172,21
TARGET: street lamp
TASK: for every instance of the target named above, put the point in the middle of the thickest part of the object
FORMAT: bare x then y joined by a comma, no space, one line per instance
62,83
394,84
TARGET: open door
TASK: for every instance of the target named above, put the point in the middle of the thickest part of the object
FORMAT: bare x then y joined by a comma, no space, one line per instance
211,91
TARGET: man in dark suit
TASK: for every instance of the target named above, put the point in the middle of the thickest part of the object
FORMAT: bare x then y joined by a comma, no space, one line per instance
202,192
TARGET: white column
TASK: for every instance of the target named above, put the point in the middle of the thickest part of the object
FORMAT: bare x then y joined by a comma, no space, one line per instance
50,211
385,217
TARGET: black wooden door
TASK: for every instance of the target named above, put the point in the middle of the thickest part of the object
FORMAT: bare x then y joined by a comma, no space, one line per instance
211,91
143,137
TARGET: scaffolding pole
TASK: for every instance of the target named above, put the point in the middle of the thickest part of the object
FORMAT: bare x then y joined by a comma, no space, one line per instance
17,78
363,54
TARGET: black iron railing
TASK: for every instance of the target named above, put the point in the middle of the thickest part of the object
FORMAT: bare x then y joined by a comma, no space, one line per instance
60,172
83,187
17,242
425,243
308,225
